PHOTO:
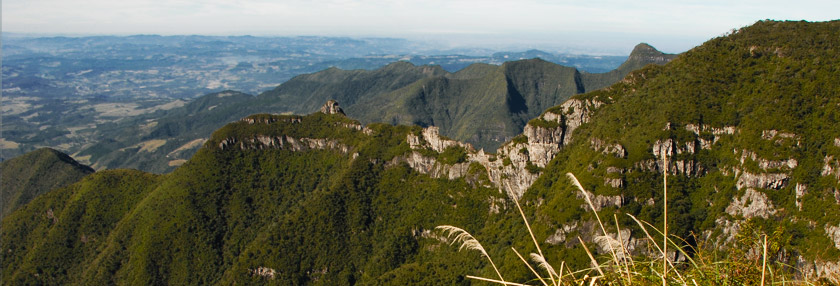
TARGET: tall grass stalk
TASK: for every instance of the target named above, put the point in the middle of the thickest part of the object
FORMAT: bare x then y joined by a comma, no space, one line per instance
624,258
592,258
623,266
530,268
469,242
763,259
528,226
594,210
665,219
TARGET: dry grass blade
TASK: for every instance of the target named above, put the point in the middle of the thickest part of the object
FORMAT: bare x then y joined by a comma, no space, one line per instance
764,260
560,277
609,242
592,206
529,267
644,229
591,258
495,281
679,249
527,225
467,241
542,263
624,252
665,219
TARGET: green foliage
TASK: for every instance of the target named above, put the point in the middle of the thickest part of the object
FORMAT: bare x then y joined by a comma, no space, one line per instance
533,169
316,216
481,104
759,80
453,155
539,122
27,176
519,139
333,215
53,239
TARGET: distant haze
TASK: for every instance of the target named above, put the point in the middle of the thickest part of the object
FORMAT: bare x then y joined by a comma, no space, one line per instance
599,26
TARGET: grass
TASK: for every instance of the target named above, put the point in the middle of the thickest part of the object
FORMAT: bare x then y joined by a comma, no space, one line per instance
701,266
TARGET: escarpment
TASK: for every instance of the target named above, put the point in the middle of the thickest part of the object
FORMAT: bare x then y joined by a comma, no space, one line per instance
746,149
518,163
513,169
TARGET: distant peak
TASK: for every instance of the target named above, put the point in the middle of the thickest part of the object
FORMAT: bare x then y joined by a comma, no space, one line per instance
331,107
647,53
644,48
400,64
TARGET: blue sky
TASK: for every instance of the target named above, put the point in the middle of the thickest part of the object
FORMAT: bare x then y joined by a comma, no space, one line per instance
608,25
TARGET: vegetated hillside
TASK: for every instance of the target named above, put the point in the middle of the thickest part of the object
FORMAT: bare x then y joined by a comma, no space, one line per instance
748,122
750,125
315,199
483,104
25,177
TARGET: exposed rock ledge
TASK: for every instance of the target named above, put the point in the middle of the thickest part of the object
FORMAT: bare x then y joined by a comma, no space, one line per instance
431,139
831,167
670,148
600,201
608,149
833,234
752,204
260,142
716,132
513,169
813,270
331,107
775,181
517,164
430,166
264,272
765,164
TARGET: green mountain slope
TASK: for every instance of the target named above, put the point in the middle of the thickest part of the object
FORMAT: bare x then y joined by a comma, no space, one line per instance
748,123
482,104
306,93
751,128
25,177
310,199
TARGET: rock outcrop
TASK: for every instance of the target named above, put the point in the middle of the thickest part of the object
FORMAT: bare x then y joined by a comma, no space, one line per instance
614,149
775,181
833,233
260,142
430,139
764,164
331,107
516,165
266,272
752,204
831,168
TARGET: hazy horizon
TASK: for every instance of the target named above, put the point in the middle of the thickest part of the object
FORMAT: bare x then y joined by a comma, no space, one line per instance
607,27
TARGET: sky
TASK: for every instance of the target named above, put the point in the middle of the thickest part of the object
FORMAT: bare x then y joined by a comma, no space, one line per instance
598,25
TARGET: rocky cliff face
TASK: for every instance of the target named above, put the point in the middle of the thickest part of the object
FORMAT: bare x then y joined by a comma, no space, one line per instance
517,164
331,107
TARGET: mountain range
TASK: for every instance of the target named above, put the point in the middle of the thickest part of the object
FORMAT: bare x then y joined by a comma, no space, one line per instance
481,104
57,90
746,127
